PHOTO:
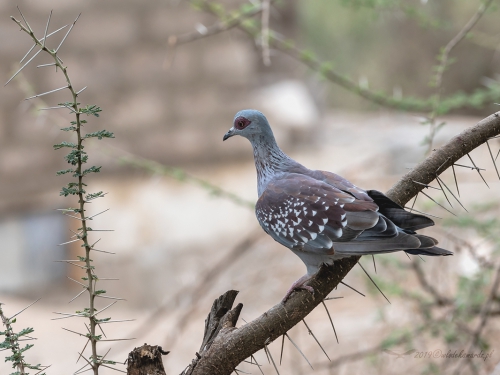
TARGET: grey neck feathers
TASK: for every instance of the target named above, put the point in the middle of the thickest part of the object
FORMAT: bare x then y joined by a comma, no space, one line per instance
270,161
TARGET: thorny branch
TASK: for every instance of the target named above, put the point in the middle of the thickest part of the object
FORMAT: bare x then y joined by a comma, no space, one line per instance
443,66
77,158
287,47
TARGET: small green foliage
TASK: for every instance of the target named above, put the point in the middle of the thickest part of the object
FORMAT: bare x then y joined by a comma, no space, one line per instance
289,44
69,129
76,156
91,170
326,68
65,144
97,292
99,135
11,342
91,110
68,104
94,196
216,8
64,171
71,188
247,8
249,23
307,56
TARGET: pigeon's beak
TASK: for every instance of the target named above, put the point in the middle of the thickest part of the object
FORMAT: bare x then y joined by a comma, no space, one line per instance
229,134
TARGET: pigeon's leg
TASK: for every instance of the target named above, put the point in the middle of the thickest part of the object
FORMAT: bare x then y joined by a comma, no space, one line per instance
299,284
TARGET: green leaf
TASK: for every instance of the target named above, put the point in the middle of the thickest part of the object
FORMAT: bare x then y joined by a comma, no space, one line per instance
91,170
94,196
71,189
75,156
70,128
307,55
64,171
65,144
67,104
91,110
99,135
25,331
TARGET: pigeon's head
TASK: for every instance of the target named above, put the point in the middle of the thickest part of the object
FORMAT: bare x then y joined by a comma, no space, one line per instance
250,124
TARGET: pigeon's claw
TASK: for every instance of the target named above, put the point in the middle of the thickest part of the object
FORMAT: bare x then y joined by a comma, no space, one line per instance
297,285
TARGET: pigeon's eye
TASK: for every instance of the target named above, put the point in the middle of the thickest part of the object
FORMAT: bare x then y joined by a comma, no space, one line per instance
241,123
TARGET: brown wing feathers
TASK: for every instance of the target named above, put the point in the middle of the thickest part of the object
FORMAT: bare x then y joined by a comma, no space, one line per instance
303,213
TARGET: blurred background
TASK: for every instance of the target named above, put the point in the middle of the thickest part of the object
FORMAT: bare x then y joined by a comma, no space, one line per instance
180,201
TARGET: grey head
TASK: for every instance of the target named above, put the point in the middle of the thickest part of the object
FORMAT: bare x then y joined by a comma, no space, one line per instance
251,124
270,161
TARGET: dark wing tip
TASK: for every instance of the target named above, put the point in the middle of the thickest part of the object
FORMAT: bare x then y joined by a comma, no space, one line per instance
431,251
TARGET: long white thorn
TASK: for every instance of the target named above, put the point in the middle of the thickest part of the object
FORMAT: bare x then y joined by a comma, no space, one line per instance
116,298
71,28
19,71
31,304
78,93
78,295
43,65
22,15
117,321
65,243
77,333
103,251
43,39
48,92
85,286
91,217
85,346
46,29
104,308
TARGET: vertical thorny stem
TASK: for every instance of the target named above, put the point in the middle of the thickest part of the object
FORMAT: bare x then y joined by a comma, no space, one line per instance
84,237
91,278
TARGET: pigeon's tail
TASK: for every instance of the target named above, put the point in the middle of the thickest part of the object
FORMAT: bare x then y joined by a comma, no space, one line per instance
404,225
430,251
428,247
409,222
412,243
397,214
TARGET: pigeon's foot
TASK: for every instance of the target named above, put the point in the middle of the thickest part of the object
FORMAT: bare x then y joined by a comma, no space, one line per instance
299,284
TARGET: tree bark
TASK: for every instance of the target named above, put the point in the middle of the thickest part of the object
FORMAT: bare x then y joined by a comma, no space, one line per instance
146,360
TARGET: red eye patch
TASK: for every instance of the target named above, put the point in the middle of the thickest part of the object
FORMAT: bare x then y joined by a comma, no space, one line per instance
241,123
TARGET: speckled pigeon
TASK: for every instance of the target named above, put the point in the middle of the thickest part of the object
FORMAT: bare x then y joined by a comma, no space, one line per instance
321,216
